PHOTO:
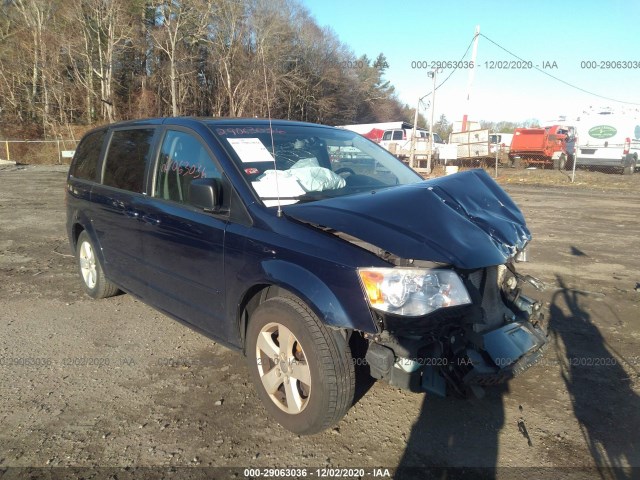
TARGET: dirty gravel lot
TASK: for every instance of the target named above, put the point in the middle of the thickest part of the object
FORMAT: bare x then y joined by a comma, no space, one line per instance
113,383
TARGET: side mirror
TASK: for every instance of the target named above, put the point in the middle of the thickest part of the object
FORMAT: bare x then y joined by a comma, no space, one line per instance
205,193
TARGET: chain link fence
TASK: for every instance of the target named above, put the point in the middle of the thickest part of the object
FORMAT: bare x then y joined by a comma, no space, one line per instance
37,152
586,168
573,175
604,166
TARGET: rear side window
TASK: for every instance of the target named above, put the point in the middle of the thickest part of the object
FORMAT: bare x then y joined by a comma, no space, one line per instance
85,162
128,153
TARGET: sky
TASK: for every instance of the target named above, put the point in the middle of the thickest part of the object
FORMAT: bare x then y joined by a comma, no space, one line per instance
583,43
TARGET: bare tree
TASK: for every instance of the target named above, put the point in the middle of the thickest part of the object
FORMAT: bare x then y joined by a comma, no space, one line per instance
36,14
86,61
178,26
105,26
228,21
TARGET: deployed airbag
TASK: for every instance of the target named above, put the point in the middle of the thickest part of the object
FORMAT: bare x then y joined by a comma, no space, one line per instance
308,174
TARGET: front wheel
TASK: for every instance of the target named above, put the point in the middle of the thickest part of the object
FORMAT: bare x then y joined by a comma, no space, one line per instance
559,163
303,371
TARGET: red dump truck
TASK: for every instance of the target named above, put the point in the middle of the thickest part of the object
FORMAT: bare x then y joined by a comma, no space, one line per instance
545,147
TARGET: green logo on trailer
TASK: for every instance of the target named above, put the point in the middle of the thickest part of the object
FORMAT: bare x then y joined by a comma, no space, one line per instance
602,131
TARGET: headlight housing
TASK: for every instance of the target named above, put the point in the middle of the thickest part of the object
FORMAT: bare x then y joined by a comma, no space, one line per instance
412,291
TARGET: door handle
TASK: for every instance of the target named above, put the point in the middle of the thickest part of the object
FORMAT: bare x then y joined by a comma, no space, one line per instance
150,219
130,212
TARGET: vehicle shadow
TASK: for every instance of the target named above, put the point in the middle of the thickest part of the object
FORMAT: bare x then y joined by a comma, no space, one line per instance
455,438
597,379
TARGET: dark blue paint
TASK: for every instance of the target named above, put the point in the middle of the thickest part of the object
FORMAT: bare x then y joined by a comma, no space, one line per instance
199,267
117,230
182,252
465,220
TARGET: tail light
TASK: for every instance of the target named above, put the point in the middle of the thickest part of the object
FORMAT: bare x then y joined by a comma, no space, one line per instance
404,135
627,145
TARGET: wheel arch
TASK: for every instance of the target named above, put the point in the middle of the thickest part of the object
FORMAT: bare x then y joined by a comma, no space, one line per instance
76,230
259,294
287,279
77,227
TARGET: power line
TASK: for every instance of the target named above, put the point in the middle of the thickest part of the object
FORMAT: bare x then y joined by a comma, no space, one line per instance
454,70
554,77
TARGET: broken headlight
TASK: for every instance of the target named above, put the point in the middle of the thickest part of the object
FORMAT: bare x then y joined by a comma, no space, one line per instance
412,291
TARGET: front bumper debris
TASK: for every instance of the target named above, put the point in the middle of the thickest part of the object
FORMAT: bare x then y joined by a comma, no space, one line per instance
460,351
508,351
512,349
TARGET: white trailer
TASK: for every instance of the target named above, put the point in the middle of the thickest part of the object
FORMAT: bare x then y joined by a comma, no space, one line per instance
363,128
609,140
472,144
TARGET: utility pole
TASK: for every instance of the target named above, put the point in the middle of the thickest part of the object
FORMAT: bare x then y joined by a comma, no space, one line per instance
414,132
472,72
413,136
433,107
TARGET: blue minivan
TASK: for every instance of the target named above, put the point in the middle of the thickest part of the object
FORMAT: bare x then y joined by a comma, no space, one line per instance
292,242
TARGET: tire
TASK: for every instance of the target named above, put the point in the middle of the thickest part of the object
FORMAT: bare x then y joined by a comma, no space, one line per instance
629,169
95,283
322,390
559,163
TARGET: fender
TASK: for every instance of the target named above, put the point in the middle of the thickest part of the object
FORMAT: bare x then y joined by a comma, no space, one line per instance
345,312
81,219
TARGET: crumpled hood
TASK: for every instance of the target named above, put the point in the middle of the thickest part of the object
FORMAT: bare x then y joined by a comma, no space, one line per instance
465,220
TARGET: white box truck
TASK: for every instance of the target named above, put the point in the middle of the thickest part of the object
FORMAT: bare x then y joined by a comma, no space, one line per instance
609,140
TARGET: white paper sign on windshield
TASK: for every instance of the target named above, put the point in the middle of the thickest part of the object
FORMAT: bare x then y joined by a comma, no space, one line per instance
250,150
278,185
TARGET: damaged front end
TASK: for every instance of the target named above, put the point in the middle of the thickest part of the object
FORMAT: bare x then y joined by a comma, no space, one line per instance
481,332
449,304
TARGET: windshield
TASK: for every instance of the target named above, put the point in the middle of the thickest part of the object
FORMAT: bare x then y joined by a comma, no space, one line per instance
311,162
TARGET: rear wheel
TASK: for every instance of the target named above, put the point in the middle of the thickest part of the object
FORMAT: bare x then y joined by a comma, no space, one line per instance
629,169
303,371
559,163
95,283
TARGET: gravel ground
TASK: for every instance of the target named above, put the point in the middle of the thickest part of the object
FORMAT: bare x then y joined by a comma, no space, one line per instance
113,383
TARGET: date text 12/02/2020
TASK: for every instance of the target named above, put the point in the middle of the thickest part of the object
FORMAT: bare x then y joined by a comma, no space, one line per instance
325,472
488,64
